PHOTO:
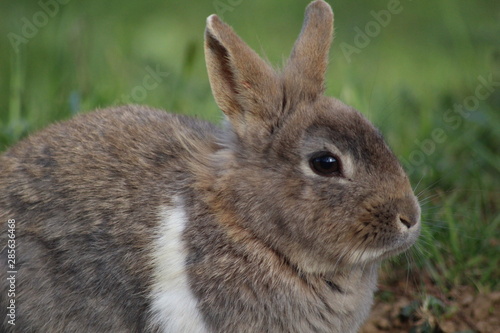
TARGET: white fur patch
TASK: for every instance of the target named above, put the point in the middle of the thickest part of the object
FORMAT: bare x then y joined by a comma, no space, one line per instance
174,307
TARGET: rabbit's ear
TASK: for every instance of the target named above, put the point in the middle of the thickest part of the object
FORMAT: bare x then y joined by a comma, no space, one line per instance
245,87
308,62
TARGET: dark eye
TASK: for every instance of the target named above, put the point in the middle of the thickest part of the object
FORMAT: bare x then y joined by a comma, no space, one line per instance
325,164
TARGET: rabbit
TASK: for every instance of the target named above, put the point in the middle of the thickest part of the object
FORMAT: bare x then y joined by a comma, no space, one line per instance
132,219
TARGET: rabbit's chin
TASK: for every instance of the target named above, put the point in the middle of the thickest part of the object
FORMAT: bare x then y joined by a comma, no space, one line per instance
362,257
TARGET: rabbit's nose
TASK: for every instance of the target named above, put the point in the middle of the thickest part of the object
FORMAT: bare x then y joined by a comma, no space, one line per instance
409,212
407,221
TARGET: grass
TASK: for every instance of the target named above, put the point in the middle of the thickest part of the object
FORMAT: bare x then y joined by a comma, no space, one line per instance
408,79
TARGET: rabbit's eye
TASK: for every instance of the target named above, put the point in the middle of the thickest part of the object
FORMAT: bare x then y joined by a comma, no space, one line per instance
325,164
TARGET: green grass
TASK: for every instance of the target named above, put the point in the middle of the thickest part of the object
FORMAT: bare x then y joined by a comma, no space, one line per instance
426,60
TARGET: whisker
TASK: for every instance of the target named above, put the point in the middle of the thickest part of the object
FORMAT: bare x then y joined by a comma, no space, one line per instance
418,183
428,187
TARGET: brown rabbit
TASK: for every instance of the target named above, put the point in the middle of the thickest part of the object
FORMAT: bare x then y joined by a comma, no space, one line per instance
130,219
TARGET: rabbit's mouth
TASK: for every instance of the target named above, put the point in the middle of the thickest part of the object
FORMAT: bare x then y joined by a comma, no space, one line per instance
394,252
387,250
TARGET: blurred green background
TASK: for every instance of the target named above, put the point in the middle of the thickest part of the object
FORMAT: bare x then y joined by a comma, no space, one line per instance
426,73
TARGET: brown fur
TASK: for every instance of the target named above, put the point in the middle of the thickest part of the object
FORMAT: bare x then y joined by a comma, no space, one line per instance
84,195
272,246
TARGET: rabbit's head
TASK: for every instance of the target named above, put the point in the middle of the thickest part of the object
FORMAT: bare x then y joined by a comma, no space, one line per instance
304,173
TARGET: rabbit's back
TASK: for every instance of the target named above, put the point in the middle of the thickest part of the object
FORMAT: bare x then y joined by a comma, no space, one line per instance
85,195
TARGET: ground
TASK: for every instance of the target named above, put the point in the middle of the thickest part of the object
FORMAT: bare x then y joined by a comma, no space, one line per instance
424,308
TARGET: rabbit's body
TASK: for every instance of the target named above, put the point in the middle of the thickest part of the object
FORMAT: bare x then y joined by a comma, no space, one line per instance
50,184
151,241
130,219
